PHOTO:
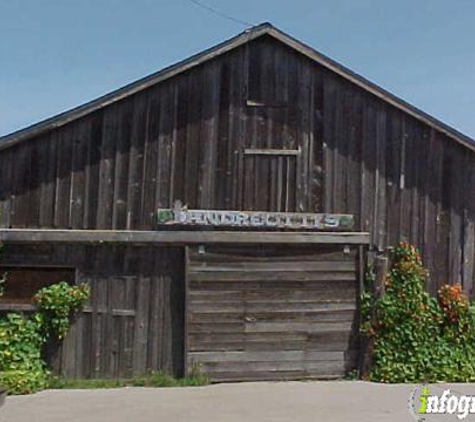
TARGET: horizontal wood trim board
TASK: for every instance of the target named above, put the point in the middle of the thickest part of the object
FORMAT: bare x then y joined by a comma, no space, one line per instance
267,104
114,312
179,237
270,276
317,366
317,304
269,356
270,327
276,376
336,341
210,257
256,285
271,317
265,346
273,266
275,293
284,316
323,337
273,152
234,290
18,307
269,306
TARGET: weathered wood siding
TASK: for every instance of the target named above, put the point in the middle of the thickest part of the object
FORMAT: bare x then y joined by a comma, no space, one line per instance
134,321
272,313
343,150
401,179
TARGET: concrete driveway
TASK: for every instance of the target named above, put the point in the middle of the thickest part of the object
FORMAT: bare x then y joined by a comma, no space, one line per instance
262,402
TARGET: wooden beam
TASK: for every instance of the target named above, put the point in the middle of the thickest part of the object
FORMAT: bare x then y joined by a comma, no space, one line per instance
16,307
252,103
381,268
179,237
282,152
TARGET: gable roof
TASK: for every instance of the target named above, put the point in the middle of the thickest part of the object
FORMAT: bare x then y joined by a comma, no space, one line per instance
243,38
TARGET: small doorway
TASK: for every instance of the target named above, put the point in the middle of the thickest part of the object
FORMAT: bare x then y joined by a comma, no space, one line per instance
270,179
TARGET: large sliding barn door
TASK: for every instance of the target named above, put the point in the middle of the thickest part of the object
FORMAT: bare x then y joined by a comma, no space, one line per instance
270,313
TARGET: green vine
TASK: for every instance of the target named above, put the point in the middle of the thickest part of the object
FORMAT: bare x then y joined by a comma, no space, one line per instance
418,338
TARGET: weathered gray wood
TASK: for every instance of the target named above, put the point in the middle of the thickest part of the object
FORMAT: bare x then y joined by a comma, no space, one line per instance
278,276
240,368
213,53
177,237
322,292
116,334
141,326
281,152
269,356
399,174
279,307
291,326
278,316
216,254
395,169
377,289
248,322
275,266
17,307
381,267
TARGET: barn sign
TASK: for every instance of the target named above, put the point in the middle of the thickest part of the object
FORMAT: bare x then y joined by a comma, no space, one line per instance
180,215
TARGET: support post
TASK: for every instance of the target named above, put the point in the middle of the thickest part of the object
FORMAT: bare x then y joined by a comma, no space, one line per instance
380,266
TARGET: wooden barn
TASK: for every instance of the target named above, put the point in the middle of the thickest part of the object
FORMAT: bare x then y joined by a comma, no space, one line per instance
221,210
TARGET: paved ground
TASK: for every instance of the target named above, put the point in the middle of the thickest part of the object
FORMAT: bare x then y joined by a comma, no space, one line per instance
260,402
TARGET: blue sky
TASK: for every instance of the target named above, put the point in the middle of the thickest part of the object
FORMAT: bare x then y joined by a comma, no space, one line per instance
56,54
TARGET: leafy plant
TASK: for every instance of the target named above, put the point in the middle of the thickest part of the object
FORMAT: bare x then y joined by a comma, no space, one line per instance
55,305
22,369
418,338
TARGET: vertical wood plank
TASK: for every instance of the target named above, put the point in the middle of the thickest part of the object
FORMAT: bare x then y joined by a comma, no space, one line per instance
110,136
78,183
329,98
141,325
121,169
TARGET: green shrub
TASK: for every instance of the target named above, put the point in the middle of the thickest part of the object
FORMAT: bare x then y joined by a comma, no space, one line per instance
57,303
418,338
